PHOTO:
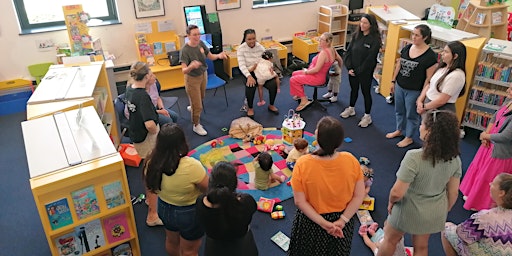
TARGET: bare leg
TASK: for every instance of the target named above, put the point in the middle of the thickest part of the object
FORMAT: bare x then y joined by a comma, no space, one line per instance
420,244
190,248
172,243
152,200
392,237
447,246
405,142
369,242
394,134
260,94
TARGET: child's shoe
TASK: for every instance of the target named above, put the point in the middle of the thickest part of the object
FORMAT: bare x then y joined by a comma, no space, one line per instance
363,230
327,95
261,103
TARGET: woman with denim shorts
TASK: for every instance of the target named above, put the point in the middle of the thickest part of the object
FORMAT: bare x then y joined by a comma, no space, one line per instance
178,180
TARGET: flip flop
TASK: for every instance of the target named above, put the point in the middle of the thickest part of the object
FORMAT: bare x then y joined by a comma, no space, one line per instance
303,106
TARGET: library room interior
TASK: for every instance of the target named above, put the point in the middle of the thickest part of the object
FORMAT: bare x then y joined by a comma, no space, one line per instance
372,117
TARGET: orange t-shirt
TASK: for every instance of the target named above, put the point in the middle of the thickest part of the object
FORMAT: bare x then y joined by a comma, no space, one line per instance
328,184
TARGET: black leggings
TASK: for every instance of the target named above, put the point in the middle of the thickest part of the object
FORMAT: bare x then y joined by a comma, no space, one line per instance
365,81
271,86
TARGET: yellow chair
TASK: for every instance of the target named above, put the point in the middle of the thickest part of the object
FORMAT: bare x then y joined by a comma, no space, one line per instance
39,70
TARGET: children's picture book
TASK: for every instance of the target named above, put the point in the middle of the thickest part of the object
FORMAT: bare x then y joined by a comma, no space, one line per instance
145,50
90,235
364,217
114,195
170,46
368,204
157,48
59,214
86,202
282,240
141,38
116,228
68,245
123,249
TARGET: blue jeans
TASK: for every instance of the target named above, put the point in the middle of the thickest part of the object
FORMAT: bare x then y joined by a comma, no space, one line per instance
407,119
166,119
181,219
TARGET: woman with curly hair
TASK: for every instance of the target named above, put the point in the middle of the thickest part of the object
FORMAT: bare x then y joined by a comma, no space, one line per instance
427,184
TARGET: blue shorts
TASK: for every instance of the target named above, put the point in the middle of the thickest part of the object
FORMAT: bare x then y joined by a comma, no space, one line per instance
181,219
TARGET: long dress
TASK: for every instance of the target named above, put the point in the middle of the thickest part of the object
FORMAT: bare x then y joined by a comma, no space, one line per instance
483,169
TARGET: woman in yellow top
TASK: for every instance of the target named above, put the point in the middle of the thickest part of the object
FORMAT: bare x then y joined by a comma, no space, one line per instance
178,180
328,189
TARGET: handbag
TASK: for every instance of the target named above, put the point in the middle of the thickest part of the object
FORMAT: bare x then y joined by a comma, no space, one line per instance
245,128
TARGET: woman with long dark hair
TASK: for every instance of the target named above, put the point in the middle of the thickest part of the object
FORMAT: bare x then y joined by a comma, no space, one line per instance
226,215
328,188
178,180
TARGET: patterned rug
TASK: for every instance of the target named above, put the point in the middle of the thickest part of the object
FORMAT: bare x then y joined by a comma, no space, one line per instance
243,153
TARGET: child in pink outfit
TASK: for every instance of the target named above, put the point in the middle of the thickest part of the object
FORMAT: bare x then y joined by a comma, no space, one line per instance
264,71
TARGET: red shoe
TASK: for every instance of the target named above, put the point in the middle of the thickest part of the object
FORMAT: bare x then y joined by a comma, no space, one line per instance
363,230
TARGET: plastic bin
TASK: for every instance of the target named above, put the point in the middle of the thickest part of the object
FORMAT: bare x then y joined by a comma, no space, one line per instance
14,102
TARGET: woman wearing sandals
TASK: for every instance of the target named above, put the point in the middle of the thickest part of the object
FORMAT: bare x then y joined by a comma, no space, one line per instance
316,73
416,65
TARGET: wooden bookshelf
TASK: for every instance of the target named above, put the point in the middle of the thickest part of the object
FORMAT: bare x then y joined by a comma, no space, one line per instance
489,21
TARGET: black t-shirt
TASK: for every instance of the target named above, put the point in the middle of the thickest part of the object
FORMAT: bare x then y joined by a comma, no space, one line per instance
413,71
141,110
361,55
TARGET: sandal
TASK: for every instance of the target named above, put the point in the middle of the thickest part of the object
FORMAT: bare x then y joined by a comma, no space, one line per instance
303,106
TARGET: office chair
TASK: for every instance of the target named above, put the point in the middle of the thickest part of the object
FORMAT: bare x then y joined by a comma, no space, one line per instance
316,102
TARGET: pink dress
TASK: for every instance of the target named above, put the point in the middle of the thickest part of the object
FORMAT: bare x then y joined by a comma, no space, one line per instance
482,170
298,78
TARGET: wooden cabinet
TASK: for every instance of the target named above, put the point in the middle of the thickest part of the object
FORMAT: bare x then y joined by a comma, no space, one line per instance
79,184
303,47
489,21
492,79
70,87
334,19
399,33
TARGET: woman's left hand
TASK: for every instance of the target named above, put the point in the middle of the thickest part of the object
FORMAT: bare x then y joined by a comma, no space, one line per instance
222,55
390,207
351,72
332,229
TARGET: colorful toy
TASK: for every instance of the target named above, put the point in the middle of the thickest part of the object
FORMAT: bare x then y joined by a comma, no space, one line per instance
348,139
292,127
364,160
279,207
278,215
259,140
217,143
289,183
265,204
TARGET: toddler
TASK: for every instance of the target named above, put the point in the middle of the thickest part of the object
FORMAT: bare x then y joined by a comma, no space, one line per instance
377,235
334,82
264,71
368,178
265,177
300,147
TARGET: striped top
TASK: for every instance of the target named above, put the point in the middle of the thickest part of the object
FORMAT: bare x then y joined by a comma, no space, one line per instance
248,56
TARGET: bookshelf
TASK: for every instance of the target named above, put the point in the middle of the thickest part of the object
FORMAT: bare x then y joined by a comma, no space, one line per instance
489,21
399,34
303,46
70,87
488,90
80,190
334,19
170,77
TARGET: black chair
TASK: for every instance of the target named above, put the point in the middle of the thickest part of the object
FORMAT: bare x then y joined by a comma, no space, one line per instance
119,105
316,102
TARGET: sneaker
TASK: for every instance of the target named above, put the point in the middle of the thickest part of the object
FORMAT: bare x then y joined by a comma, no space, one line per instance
333,99
348,112
199,130
365,121
327,95
189,108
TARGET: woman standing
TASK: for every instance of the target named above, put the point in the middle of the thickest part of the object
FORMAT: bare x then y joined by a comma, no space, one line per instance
416,65
316,73
427,184
448,82
360,60
328,189
248,55
193,64
226,215
143,125
178,180
494,156
486,232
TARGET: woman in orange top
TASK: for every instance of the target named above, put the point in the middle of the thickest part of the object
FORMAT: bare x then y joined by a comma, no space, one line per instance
328,189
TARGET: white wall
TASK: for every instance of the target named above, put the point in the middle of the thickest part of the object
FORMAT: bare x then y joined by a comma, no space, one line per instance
19,51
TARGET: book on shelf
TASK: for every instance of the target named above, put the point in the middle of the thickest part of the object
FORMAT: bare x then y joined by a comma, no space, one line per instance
480,18
266,38
158,48
59,213
90,235
68,245
114,195
85,202
145,50
116,228
123,249
497,17
170,46
141,38
299,34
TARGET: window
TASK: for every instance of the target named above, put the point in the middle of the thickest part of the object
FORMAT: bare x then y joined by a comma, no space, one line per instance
270,3
41,16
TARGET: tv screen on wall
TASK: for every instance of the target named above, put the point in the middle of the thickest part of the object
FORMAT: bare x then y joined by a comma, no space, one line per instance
196,15
355,4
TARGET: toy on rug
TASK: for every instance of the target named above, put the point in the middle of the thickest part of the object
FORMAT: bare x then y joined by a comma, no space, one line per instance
265,177
217,143
364,160
292,127
266,204
300,148
245,128
368,202
277,215
258,140
281,240
373,236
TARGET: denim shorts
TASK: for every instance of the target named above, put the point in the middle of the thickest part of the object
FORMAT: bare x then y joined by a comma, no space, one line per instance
181,219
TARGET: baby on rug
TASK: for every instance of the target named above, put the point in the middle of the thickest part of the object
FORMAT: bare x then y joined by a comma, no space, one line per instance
265,178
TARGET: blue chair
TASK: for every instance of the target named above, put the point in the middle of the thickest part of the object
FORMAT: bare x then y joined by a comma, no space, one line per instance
168,101
214,82
119,104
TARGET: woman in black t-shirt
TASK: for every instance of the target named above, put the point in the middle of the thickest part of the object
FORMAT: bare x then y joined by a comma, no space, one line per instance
413,70
226,215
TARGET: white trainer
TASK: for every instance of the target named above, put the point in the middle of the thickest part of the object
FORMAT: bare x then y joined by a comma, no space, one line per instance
327,95
199,130
333,99
189,108
365,121
350,111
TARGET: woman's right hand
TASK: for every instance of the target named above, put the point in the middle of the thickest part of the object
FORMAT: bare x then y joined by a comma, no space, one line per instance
332,229
392,88
251,82
195,64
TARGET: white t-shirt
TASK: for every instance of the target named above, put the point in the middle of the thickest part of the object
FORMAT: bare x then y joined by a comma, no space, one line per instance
452,84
